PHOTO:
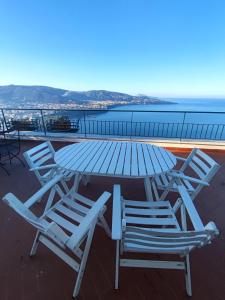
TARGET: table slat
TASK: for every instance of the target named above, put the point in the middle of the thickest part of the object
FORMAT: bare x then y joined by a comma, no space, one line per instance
102,157
155,162
120,163
161,159
105,166
80,165
95,158
127,161
141,161
79,155
62,156
134,160
148,162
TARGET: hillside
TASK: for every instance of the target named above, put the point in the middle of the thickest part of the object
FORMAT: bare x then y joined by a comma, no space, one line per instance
21,94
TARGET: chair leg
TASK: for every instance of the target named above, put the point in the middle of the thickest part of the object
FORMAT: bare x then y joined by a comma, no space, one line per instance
2,166
121,248
188,275
35,244
148,189
83,262
105,225
22,163
85,179
65,186
117,264
77,179
11,157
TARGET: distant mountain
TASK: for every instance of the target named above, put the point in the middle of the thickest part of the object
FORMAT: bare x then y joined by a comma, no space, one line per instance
43,94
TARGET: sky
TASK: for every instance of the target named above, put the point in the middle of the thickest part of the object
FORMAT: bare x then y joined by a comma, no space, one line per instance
165,48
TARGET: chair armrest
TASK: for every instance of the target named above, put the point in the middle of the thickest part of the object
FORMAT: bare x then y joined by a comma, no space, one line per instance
52,166
192,212
211,226
189,178
180,158
116,213
39,194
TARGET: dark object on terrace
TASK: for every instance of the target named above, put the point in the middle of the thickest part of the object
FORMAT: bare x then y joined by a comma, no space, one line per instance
25,124
62,124
9,148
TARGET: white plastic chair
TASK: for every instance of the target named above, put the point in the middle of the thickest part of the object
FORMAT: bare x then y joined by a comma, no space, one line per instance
152,227
196,172
66,227
40,159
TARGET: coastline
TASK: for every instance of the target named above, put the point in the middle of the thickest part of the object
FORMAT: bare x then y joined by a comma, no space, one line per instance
161,102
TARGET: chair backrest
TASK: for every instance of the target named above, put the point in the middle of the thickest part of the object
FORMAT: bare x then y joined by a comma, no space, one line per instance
201,165
38,156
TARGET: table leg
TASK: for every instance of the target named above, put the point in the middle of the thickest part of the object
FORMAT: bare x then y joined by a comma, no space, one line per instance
148,189
85,179
77,178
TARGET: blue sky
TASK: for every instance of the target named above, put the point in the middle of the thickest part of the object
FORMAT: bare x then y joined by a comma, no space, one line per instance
167,48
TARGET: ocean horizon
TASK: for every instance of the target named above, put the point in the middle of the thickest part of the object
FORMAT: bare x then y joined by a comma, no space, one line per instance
180,104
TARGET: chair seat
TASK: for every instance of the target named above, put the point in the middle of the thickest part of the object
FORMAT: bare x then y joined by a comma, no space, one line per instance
163,181
69,211
153,215
157,216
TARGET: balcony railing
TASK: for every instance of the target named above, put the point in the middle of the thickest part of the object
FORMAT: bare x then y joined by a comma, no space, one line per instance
180,125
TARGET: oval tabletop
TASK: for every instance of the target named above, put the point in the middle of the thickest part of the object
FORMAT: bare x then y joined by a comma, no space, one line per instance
120,159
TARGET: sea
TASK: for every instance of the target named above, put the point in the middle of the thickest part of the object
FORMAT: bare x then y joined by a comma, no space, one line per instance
179,118
185,118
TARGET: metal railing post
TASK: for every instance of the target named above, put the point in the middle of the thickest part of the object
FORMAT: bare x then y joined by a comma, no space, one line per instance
85,133
3,115
182,126
43,121
131,123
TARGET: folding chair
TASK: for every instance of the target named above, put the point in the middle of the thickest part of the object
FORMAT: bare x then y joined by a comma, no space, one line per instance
196,172
40,159
66,227
152,227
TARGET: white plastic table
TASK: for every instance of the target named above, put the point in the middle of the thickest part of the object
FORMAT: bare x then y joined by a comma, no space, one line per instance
116,159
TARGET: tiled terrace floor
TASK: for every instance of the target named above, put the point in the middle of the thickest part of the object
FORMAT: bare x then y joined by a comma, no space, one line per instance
46,277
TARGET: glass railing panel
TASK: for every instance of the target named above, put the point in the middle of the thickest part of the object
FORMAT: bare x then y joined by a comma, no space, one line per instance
27,121
63,122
